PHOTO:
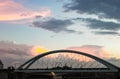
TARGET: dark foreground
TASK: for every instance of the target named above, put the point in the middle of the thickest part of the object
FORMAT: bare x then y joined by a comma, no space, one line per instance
11,74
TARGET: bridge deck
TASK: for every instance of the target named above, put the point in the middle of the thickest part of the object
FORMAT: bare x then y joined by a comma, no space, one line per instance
72,75
66,70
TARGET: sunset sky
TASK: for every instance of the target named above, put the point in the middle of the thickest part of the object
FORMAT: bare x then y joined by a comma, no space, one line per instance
85,25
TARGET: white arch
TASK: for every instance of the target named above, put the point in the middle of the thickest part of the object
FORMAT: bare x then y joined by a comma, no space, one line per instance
31,61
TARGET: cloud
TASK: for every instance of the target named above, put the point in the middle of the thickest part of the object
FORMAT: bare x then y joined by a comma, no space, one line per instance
11,48
55,25
102,25
12,53
106,14
36,50
114,61
106,33
102,8
11,10
96,50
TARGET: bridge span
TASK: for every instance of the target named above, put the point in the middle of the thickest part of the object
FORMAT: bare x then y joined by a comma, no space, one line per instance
66,64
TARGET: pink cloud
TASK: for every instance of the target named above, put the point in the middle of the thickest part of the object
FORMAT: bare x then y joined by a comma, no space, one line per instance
11,10
95,50
11,52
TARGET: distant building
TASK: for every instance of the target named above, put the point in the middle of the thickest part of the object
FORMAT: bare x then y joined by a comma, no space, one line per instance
1,65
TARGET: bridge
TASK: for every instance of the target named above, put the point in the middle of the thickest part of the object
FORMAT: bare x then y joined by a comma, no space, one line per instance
66,64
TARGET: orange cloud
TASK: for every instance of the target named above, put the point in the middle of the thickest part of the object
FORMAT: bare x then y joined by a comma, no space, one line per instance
36,50
11,10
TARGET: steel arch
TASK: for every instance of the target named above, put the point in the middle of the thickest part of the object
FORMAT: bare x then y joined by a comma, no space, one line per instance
31,61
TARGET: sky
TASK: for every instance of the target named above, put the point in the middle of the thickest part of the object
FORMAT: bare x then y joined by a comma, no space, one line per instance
91,26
